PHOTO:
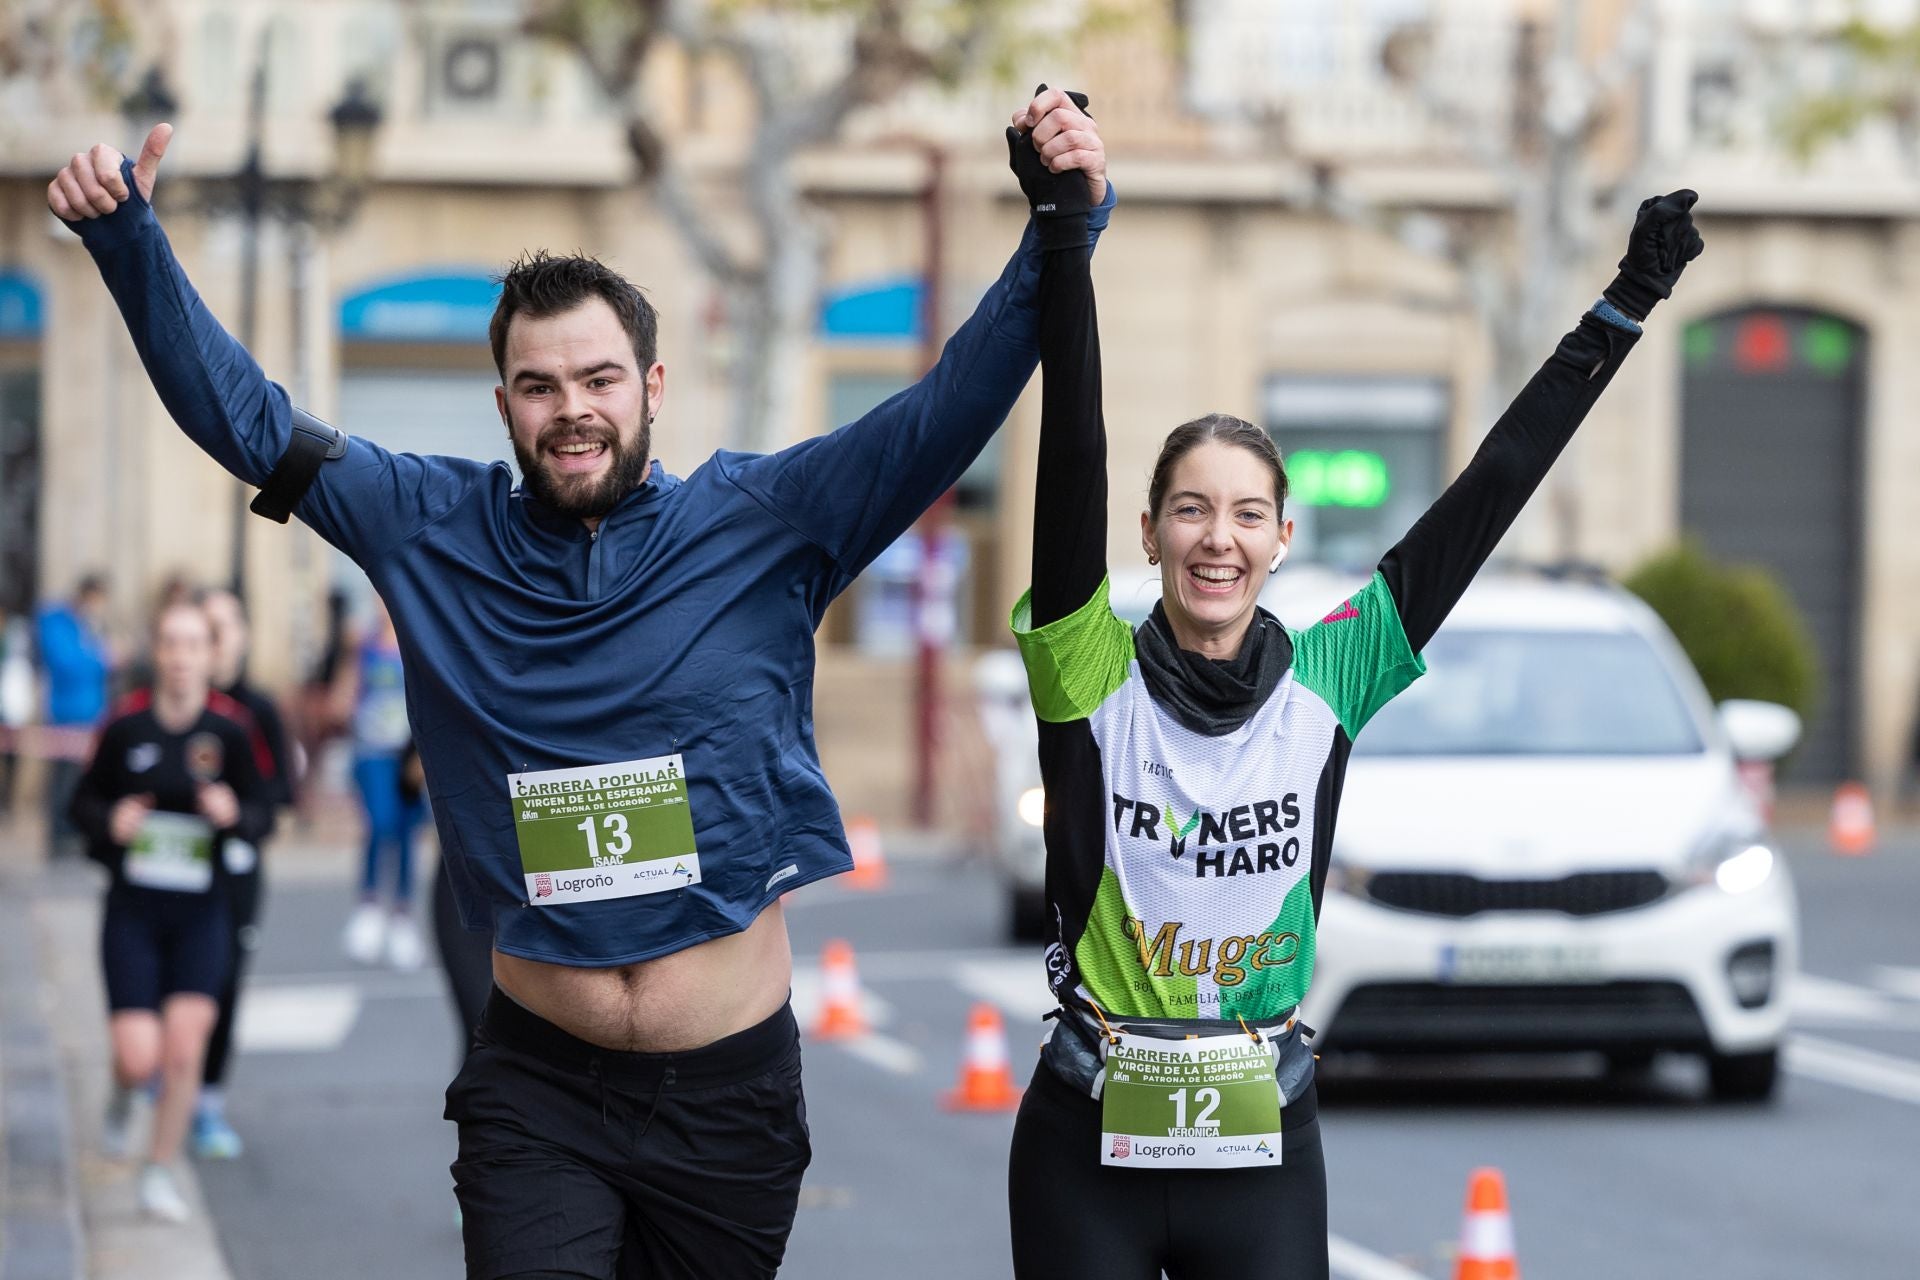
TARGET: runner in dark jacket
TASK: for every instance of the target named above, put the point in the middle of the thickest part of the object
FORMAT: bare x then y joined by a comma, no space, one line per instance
214,1137
172,784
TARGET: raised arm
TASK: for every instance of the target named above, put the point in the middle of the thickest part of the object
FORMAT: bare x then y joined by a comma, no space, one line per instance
209,383
1429,569
1070,483
854,491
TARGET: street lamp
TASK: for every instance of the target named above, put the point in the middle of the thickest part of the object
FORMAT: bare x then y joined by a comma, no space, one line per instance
328,203
355,119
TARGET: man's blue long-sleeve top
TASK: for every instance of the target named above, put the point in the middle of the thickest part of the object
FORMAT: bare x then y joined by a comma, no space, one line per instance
683,626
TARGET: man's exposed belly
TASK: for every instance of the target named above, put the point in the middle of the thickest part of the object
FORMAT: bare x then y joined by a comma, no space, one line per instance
678,1002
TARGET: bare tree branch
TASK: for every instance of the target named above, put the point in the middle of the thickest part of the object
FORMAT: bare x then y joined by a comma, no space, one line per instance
619,77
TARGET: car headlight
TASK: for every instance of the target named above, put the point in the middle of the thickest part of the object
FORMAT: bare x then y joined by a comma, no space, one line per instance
1736,864
1033,806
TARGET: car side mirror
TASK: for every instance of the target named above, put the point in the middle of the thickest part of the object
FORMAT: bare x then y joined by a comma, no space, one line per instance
1759,730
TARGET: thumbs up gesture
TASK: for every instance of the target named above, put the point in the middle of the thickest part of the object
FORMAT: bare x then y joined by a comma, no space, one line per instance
92,184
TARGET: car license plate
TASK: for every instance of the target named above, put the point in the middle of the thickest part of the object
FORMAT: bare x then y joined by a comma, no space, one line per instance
1519,963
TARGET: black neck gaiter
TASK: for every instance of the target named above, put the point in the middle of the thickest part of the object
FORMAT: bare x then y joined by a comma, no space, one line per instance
1213,696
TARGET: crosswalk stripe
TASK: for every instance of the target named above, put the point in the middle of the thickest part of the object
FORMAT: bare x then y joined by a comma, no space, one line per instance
313,1018
1843,1064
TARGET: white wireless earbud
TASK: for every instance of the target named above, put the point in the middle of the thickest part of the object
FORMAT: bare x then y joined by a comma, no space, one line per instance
1278,556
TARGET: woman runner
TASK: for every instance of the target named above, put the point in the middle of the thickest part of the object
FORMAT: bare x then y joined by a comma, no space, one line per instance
1193,772
172,781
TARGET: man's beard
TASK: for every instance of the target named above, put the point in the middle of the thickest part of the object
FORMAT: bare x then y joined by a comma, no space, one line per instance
583,497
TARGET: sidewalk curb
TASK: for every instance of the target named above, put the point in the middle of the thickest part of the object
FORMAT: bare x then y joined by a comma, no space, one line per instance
114,1241
40,1235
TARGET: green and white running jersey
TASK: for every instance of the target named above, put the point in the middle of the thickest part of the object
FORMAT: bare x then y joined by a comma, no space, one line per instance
1184,872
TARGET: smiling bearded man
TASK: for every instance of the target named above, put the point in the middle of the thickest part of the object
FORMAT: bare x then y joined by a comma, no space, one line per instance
609,675
578,453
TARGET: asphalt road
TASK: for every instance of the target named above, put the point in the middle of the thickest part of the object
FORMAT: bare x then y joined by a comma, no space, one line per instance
339,1098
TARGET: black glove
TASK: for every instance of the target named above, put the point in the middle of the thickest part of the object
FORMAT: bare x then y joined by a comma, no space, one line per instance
1661,245
1049,194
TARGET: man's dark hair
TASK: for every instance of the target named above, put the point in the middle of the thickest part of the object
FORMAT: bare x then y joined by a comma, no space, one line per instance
540,284
1225,428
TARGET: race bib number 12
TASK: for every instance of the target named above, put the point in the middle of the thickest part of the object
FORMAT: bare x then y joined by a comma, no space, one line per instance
604,830
1206,1103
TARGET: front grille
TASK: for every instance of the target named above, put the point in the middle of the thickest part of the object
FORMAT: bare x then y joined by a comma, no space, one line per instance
1589,893
1427,1016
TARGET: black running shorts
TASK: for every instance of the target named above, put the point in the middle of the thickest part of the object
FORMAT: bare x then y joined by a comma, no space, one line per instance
1073,1216
579,1161
155,943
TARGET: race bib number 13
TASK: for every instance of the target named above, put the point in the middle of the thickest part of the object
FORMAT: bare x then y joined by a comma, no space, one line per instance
604,830
1206,1103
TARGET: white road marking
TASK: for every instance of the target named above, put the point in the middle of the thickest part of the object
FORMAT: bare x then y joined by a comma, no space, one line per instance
1828,1002
1355,1263
1899,979
1015,983
874,1047
1855,1068
807,999
313,1018
884,1052
372,984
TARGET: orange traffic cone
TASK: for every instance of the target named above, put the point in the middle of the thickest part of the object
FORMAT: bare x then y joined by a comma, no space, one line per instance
840,1016
1850,829
1486,1234
869,861
986,1083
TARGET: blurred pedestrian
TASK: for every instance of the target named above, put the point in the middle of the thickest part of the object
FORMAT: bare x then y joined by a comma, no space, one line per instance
172,782
76,660
214,1137
136,671
611,670
1193,771
383,923
324,709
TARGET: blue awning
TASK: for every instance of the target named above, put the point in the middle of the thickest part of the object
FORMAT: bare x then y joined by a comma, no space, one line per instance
20,311
873,311
443,307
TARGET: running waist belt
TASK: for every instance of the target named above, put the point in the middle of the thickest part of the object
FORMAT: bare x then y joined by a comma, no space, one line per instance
1076,1049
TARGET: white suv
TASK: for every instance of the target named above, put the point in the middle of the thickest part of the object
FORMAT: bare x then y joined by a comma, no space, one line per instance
1543,843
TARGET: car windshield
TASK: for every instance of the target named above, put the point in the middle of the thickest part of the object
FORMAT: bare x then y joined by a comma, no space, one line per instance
1536,693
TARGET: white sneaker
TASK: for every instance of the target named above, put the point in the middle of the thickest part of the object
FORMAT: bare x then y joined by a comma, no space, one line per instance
116,1130
366,932
405,951
160,1196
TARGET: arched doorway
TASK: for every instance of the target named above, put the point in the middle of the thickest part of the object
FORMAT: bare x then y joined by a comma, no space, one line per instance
1773,403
